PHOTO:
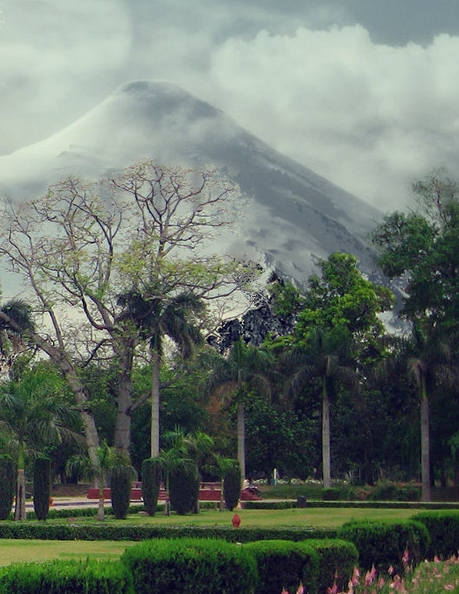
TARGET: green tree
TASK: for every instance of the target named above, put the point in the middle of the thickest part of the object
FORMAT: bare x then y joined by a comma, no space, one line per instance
325,358
160,315
34,415
245,368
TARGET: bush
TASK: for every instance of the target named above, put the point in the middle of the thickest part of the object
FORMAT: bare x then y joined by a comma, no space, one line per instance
333,494
189,566
443,527
41,486
232,485
337,560
65,577
383,544
7,486
184,488
391,492
283,564
121,485
151,484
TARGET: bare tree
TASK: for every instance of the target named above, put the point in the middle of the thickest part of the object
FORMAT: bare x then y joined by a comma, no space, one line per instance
82,245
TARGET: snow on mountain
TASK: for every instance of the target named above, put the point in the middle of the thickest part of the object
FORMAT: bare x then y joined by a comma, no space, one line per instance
289,216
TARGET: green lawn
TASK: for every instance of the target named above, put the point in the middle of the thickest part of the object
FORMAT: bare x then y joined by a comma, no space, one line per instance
18,551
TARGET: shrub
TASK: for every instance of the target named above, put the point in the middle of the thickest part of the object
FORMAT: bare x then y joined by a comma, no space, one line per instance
283,564
41,486
189,566
121,485
387,491
7,486
443,527
65,577
232,485
151,484
333,494
384,544
337,559
184,488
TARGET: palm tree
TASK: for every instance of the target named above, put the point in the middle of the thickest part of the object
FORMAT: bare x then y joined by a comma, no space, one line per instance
245,367
325,357
159,316
428,363
34,416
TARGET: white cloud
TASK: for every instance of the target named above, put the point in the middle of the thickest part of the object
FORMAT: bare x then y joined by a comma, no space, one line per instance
369,117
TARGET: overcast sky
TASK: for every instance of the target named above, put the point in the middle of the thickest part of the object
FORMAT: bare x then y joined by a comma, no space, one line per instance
365,93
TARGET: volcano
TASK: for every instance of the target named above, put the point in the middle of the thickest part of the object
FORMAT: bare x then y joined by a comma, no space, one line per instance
290,217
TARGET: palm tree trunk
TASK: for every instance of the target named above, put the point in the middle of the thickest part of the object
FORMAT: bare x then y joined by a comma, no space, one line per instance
20,508
241,439
155,394
426,493
326,435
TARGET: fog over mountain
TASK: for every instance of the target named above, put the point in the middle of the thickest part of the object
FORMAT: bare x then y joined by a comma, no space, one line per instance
288,216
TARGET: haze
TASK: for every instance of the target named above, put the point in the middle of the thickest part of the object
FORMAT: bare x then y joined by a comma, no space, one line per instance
364,93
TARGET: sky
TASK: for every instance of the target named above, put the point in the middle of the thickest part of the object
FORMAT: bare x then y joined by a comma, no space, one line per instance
365,93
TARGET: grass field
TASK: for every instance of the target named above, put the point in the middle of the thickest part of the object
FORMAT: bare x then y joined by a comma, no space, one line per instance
18,551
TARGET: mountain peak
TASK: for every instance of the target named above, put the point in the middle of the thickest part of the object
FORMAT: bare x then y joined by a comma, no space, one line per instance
290,214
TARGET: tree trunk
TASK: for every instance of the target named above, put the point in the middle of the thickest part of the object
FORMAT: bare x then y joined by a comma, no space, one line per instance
155,395
326,435
122,439
426,493
241,439
20,508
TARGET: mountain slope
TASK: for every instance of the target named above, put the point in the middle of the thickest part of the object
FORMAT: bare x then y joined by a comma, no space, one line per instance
289,215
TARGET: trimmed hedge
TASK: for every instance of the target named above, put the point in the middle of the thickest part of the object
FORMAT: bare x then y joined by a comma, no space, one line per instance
184,488
151,483
383,543
121,484
41,486
7,486
189,566
443,529
283,565
108,531
66,577
337,560
232,485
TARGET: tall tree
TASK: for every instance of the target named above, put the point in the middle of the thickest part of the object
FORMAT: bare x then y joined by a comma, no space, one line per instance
244,368
325,358
83,244
158,316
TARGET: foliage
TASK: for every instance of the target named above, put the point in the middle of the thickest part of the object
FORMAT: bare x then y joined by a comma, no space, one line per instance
443,527
7,485
41,486
383,544
190,566
184,487
121,483
57,577
151,483
232,480
337,559
284,564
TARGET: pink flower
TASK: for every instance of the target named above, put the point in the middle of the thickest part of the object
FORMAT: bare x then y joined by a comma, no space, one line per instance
333,589
300,589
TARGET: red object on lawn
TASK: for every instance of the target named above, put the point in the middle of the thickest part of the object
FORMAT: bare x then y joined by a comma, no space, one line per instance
236,521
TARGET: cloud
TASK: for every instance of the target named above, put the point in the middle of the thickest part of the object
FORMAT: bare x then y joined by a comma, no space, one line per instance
54,59
368,116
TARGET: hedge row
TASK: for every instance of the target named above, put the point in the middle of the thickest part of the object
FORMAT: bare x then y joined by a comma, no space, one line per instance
69,531
66,577
189,566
